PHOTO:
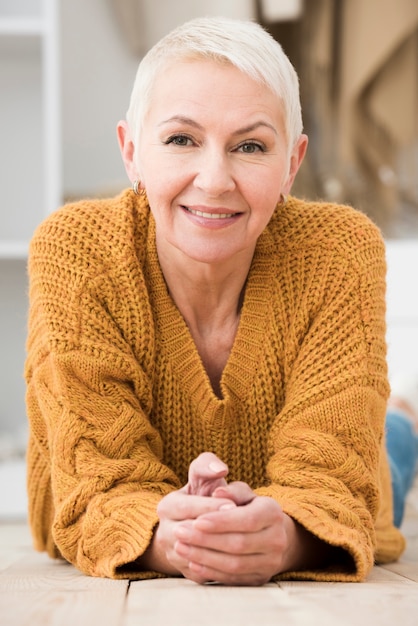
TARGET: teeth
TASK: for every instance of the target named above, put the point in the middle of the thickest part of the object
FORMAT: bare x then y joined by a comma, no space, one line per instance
213,216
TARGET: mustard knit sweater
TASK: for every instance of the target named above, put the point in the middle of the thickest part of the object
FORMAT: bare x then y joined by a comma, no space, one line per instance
119,403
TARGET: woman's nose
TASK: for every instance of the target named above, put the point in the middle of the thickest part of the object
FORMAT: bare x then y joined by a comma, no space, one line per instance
214,175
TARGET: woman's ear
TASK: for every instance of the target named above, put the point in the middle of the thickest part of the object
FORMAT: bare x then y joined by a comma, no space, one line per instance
127,149
296,158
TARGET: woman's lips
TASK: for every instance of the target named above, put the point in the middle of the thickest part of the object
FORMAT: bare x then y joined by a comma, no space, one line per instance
207,214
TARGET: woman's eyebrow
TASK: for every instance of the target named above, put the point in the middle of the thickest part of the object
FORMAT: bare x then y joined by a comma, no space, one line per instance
251,127
240,131
183,120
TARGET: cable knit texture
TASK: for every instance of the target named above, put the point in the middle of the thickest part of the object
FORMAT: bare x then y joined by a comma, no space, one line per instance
119,403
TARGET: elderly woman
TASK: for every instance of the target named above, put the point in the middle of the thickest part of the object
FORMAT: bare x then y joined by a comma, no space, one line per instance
206,367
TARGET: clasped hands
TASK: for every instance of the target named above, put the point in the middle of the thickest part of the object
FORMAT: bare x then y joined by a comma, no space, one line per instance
212,531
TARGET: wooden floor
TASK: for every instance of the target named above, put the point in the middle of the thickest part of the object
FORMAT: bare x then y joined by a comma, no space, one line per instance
37,591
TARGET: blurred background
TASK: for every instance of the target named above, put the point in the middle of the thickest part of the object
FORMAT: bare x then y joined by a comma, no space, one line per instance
66,72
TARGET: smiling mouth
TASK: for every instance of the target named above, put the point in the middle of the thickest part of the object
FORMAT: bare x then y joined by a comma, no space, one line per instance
211,216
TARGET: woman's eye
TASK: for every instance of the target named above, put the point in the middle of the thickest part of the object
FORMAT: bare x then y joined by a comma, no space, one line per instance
179,140
251,147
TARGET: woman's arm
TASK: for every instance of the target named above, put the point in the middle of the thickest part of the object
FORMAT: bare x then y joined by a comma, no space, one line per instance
95,470
326,443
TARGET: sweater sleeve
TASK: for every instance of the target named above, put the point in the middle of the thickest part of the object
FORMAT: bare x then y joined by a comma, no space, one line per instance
95,474
325,445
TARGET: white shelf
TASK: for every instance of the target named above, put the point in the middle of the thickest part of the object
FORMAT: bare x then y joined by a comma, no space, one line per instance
13,250
20,26
29,73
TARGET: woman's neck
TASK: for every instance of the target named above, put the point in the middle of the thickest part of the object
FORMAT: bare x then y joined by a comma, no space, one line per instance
208,295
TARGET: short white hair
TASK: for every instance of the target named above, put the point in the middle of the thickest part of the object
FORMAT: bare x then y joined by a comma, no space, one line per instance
244,44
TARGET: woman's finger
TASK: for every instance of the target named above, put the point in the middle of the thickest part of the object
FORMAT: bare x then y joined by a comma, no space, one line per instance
178,506
260,513
239,492
206,473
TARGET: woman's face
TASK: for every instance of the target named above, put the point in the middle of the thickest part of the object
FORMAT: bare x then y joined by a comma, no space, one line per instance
212,157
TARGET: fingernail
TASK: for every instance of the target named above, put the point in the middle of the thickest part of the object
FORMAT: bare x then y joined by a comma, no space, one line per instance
216,467
226,507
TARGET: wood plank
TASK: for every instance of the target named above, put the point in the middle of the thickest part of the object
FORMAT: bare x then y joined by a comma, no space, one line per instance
61,607
385,598
384,574
360,607
37,571
39,591
15,543
407,569
180,602
12,555
15,534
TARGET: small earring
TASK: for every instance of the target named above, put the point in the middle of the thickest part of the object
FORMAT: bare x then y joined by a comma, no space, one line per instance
136,186
283,200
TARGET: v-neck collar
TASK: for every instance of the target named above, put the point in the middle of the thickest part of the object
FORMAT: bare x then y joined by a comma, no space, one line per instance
175,339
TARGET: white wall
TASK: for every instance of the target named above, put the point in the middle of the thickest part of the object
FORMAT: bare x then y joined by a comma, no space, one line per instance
97,76
146,21
402,305
13,307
